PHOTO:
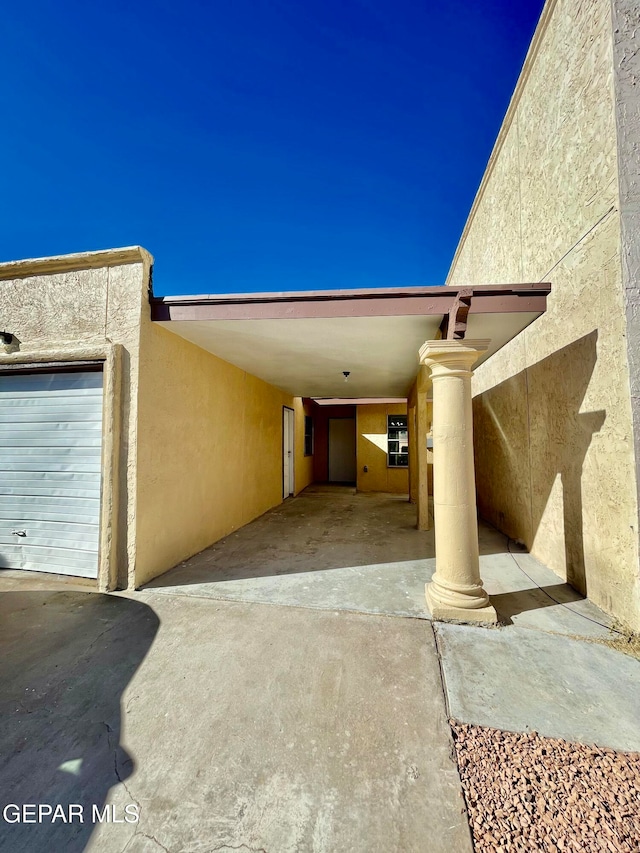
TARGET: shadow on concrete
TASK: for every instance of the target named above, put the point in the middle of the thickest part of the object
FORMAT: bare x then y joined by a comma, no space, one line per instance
529,432
509,604
316,532
66,659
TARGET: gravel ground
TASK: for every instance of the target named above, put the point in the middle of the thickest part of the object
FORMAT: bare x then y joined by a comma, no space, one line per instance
529,793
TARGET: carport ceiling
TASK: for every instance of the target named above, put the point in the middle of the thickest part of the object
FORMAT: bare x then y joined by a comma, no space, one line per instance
302,342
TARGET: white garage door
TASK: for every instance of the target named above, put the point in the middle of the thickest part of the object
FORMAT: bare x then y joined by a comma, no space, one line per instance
50,445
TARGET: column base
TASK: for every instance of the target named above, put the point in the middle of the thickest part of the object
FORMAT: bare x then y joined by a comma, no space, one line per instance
441,612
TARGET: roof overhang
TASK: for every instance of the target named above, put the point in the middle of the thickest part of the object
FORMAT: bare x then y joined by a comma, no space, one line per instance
302,342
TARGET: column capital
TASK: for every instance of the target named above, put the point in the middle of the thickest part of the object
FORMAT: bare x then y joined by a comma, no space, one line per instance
452,354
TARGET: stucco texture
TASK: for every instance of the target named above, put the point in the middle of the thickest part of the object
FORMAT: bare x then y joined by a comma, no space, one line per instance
371,450
209,450
96,304
552,415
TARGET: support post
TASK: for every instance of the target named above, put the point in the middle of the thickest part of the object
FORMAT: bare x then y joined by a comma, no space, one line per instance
413,446
455,591
424,522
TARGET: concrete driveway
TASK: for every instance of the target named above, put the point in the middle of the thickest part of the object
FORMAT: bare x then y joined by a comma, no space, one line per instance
230,726
282,691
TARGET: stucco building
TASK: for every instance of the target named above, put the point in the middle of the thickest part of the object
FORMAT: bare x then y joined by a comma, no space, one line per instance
138,431
556,411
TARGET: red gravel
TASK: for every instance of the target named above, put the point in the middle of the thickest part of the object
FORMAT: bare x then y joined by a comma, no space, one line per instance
526,793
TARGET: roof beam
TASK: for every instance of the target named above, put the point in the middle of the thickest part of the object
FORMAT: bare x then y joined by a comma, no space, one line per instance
457,302
454,322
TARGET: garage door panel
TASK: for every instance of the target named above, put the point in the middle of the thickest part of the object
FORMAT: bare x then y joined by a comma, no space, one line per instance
71,540
50,414
80,402
52,467
58,538
51,397
50,471
59,561
53,503
55,478
46,454
61,439
35,490
23,514
6,523
21,430
83,382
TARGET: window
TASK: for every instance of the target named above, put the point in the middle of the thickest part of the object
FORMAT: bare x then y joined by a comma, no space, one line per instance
397,441
308,435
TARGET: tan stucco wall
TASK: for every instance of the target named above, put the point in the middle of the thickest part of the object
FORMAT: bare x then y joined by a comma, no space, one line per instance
553,436
200,441
60,307
371,430
209,449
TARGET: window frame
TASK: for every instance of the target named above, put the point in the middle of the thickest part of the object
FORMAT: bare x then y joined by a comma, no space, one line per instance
309,435
394,430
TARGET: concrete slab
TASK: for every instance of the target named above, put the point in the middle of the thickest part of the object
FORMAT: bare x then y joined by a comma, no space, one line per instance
393,589
66,658
230,726
523,680
326,549
332,549
528,594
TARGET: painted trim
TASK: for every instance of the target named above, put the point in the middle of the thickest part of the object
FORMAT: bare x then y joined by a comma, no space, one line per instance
397,467
53,367
110,356
316,295
78,261
357,401
305,416
293,453
493,299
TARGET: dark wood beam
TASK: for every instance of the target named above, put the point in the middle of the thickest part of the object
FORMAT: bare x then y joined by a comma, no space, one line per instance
454,322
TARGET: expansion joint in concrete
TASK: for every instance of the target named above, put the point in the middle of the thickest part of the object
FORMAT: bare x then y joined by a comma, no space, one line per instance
443,682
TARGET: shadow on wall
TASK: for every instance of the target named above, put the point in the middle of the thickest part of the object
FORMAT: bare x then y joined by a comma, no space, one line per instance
66,660
528,432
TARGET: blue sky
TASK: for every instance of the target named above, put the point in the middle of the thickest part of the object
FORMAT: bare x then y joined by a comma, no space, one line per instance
254,145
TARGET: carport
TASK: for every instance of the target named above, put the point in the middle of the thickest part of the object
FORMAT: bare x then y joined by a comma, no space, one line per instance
418,343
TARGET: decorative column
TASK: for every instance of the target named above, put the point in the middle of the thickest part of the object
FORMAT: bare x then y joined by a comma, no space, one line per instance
455,591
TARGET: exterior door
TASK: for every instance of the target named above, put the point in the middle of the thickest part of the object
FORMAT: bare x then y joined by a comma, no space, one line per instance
342,450
287,452
50,466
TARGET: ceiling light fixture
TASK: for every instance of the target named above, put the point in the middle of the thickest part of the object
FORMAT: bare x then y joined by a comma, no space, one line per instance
346,374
